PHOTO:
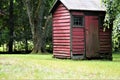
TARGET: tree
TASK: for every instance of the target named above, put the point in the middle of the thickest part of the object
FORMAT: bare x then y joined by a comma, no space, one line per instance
20,31
113,18
11,27
37,11
4,37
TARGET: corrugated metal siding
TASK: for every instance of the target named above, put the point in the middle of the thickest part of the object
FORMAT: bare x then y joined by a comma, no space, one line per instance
105,40
78,42
61,32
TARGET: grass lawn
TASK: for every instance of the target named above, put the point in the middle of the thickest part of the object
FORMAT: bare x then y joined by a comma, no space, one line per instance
40,67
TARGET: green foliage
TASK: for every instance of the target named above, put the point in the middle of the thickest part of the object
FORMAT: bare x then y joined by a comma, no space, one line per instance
20,45
22,30
112,10
49,47
116,34
39,20
4,36
113,18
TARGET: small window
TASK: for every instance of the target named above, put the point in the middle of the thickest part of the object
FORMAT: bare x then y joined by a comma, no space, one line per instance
78,21
101,21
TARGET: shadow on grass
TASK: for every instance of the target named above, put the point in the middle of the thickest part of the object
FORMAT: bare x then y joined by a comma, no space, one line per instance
16,52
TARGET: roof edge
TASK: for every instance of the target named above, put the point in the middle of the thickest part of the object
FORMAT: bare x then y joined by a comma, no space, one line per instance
53,7
87,10
56,4
58,1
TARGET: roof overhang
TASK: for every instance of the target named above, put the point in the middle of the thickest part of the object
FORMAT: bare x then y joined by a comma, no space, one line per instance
80,5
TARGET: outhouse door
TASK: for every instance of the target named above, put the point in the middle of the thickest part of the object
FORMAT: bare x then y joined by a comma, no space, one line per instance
92,37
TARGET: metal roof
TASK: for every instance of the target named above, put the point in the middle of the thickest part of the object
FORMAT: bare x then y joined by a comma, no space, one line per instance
89,5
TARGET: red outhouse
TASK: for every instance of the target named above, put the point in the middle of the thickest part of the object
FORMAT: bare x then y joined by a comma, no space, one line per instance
78,31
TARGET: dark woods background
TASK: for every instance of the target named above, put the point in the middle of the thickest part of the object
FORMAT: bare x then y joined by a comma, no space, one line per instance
16,33
25,25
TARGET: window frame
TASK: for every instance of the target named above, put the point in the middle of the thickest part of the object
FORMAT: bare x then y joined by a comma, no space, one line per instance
78,25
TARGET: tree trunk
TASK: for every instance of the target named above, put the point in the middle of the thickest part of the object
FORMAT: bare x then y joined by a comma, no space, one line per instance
44,36
36,23
38,32
36,11
26,45
37,40
111,28
11,27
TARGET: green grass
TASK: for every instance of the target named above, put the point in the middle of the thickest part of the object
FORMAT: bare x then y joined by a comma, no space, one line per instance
40,67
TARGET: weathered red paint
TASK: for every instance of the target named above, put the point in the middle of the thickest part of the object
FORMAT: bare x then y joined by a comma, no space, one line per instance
90,40
57,15
78,41
62,21
61,38
62,41
61,44
105,40
61,32
77,13
61,35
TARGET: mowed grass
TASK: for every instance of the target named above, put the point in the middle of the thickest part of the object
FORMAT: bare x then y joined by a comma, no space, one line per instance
41,67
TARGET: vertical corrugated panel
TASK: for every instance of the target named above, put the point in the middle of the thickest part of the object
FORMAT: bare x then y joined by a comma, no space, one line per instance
61,32
78,42
105,40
